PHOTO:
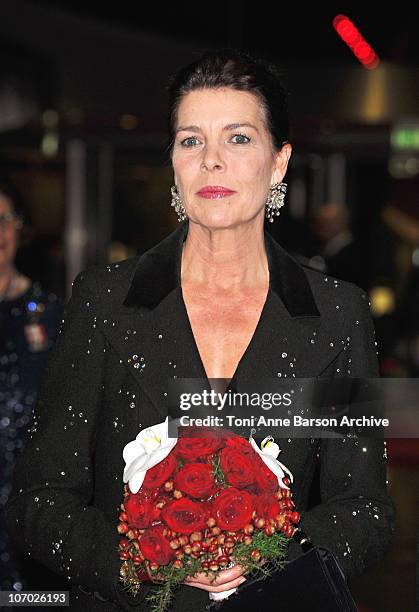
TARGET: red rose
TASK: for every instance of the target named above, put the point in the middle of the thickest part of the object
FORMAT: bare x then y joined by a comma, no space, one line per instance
140,509
240,444
237,466
191,449
265,479
195,479
184,516
267,506
155,547
158,474
232,509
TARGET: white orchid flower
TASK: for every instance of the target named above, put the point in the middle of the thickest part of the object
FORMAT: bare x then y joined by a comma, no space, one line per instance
269,452
151,446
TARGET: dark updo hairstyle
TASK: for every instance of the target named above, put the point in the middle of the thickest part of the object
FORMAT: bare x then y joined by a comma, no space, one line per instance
229,67
9,190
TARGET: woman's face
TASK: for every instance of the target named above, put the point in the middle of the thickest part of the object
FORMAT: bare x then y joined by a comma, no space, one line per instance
8,233
210,149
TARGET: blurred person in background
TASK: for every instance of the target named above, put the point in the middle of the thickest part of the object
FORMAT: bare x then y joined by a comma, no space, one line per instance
339,251
29,320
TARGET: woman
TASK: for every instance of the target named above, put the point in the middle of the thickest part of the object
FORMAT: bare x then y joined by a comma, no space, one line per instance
217,298
29,318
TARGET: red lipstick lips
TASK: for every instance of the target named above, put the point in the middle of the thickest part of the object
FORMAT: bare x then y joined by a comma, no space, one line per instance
214,191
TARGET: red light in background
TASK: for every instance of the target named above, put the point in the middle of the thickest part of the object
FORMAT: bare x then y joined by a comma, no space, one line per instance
350,34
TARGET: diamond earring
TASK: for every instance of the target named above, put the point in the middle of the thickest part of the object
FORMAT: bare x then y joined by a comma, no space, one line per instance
275,200
177,204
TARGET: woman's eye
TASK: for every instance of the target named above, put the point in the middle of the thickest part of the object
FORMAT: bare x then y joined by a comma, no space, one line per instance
183,142
241,136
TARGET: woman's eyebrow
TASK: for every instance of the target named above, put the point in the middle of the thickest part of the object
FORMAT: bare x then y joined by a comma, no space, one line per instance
230,126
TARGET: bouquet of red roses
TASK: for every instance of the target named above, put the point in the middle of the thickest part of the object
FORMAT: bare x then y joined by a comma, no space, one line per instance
201,504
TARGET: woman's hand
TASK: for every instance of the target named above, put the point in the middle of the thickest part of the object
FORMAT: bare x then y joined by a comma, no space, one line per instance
225,580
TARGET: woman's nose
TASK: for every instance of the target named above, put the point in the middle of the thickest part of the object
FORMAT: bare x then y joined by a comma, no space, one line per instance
212,157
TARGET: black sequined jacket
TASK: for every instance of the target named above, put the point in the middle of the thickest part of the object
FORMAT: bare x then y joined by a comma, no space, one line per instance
125,333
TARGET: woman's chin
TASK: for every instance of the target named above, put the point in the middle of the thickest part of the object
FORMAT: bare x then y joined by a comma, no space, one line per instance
218,219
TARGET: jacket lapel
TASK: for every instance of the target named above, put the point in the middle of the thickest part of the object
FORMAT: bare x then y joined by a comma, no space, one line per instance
153,335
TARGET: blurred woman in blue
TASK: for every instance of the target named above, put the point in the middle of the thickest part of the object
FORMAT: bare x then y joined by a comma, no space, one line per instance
29,320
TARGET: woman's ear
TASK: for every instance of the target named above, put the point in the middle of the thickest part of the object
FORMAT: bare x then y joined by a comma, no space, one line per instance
281,160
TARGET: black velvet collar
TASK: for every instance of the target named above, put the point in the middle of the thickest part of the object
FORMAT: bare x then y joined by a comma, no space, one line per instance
158,273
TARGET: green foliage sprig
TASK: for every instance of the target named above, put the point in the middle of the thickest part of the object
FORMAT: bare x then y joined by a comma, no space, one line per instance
217,472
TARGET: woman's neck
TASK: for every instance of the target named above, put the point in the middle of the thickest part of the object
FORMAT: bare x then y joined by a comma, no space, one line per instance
225,259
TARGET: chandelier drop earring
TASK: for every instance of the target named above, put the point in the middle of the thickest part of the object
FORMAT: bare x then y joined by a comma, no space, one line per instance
177,204
275,200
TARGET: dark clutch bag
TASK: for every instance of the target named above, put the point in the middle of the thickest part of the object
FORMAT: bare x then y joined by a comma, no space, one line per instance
314,582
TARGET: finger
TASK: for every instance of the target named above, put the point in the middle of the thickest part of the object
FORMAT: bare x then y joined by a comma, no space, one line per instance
199,577
220,588
221,578
229,574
